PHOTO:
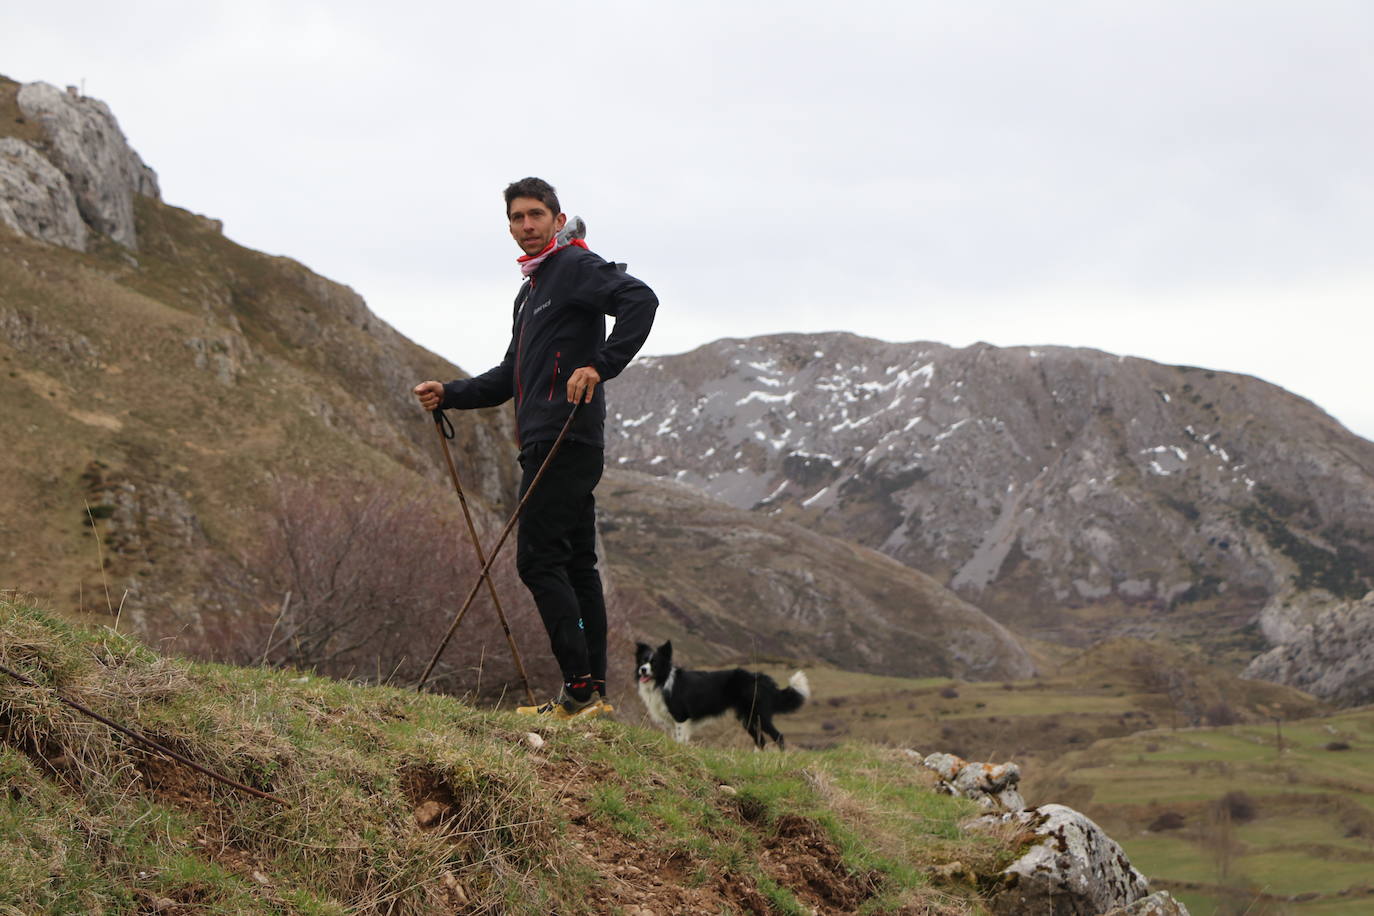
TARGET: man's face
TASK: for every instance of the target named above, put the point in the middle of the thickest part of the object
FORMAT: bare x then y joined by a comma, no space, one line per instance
532,225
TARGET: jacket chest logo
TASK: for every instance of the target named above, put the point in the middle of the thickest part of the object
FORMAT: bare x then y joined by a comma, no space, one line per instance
541,306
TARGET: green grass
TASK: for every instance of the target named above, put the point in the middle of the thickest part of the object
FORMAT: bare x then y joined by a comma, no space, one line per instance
397,798
1308,832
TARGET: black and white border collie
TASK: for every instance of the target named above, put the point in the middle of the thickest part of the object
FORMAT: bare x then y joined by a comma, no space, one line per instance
679,699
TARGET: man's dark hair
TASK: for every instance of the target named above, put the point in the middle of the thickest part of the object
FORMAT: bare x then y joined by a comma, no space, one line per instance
537,188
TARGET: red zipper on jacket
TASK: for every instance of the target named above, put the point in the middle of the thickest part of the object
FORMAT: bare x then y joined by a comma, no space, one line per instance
554,381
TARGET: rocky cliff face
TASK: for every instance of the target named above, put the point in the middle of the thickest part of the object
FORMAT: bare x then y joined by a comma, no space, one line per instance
1072,493
1322,648
82,158
36,199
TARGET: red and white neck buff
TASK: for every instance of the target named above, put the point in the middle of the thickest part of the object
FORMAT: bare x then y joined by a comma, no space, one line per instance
529,263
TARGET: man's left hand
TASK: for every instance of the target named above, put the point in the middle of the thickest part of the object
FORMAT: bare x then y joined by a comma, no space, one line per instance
582,384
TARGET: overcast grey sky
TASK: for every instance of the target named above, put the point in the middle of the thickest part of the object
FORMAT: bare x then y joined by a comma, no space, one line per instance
1191,182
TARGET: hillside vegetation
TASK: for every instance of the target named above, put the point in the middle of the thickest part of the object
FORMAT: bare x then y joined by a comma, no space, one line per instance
1262,819
1238,796
406,803
219,447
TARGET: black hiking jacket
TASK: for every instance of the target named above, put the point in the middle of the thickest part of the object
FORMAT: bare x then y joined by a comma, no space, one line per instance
559,326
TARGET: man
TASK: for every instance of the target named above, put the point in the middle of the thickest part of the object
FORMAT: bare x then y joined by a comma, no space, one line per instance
558,357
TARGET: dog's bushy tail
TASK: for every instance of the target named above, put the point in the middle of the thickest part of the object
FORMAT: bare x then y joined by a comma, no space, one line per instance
797,692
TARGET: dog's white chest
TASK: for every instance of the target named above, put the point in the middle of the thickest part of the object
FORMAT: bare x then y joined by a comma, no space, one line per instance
652,697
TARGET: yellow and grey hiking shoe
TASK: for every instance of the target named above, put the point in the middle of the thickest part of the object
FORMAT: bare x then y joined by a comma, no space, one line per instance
556,710
543,709
568,706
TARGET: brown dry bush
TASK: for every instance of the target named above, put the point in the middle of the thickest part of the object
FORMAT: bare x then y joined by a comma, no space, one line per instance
1238,805
357,580
1168,820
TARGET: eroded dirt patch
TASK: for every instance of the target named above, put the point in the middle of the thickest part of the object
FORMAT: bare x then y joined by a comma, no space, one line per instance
640,875
802,857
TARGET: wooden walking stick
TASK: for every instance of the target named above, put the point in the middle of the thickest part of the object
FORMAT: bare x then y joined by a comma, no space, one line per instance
500,542
445,430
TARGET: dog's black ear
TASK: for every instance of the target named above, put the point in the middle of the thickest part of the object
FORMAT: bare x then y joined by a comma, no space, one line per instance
665,651
642,648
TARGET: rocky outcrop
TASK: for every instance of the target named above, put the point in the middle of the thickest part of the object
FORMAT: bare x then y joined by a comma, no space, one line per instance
1160,903
1326,651
992,786
1072,493
1074,869
1070,868
35,198
88,147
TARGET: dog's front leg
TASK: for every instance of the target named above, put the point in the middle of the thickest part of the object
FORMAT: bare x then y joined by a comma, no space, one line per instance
682,731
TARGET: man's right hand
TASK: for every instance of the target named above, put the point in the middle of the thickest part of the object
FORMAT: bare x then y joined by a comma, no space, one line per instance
431,394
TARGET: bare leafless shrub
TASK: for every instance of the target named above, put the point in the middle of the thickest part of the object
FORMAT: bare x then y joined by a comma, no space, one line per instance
1221,713
359,580
1168,820
950,692
1356,821
1238,806
1219,839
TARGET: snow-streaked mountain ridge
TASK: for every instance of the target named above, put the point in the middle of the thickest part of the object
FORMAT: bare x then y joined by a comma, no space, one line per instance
1068,491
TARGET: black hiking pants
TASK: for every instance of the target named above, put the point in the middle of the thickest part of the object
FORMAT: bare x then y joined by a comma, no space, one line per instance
556,554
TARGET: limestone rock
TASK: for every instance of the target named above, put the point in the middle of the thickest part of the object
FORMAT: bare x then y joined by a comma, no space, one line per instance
29,333
89,148
1160,903
990,785
35,198
223,352
1075,870
1330,655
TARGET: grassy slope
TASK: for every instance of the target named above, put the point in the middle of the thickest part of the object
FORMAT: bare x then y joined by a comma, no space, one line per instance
1301,840
183,379
1108,735
408,804
1115,689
